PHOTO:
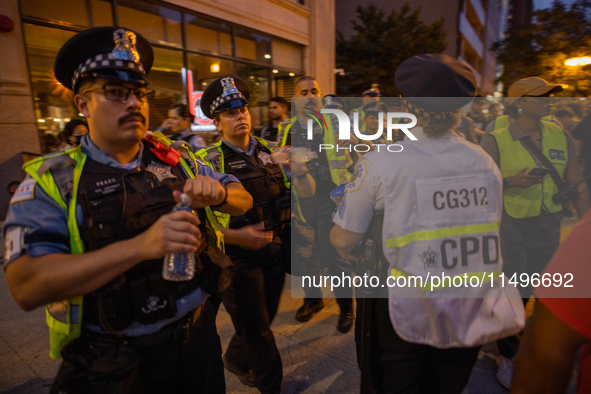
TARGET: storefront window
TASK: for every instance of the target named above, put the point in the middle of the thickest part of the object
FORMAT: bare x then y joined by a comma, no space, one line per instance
72,12
257,79
102,13
287,55
253,46
206,35
54,105
167,81
156,23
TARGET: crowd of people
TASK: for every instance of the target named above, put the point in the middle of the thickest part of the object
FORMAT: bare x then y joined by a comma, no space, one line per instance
88,230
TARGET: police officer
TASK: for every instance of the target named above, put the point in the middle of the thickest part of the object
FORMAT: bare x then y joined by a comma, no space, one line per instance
418,333
258,241
91,226
329,171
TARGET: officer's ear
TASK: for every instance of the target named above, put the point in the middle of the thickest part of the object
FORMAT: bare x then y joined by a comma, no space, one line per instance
216,122
81,102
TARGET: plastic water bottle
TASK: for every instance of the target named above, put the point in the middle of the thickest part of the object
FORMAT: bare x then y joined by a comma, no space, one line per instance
180,266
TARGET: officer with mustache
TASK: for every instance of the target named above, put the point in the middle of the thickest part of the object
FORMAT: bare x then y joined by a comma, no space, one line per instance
88,228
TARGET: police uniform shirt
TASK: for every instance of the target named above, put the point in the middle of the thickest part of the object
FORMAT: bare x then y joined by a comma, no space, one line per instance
32,210
364,194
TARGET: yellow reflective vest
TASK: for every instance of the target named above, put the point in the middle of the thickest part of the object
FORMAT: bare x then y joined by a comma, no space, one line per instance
513,157
338,161
64,318
208,154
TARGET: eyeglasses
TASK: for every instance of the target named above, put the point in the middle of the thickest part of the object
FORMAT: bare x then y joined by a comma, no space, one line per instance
121,93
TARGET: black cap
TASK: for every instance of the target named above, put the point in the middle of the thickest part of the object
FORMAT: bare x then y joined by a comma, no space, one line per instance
104,52
375,108
224,94
332,101
428,78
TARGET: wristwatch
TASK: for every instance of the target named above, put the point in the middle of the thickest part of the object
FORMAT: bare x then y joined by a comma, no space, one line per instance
303,175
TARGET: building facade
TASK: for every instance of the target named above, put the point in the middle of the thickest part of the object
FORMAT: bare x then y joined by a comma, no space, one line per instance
470,26
268,43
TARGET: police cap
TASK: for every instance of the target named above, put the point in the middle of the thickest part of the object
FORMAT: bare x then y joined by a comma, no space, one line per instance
224,94
104,52
375,108
428,78
332,101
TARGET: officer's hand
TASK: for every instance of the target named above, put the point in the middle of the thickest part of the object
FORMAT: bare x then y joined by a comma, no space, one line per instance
252,237
176,232
522,180
167,124
204,191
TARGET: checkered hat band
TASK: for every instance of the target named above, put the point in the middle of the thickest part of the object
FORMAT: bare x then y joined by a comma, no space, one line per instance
105,60
439,115
220,100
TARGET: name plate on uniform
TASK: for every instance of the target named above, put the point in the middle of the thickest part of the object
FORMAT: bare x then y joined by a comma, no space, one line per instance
452,196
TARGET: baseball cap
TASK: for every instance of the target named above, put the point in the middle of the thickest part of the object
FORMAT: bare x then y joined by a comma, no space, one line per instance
532,86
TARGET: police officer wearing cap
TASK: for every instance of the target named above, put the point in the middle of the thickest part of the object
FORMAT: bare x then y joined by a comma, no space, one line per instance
423,339
89,227
257,242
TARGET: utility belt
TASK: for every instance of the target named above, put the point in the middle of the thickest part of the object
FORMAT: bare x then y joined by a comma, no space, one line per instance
177,331
128,299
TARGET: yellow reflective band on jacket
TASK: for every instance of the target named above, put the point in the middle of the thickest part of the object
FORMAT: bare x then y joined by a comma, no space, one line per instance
64,318
513,157
361,118
223,218
502,121
428,285
442,232
339,160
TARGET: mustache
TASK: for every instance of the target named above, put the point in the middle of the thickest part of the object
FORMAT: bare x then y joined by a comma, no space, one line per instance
124,118
311,102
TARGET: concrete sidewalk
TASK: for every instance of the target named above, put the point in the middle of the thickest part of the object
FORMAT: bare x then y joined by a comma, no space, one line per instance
316,357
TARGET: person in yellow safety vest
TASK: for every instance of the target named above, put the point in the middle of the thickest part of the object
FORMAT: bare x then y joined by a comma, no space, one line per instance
258,242
88,229
329,170
530,229
432,228
370,95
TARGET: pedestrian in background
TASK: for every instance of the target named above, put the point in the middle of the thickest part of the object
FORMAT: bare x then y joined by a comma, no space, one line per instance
530,228
178,127
277,113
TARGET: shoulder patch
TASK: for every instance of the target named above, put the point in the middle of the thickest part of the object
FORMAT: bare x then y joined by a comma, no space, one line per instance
25,191
14,243
358,177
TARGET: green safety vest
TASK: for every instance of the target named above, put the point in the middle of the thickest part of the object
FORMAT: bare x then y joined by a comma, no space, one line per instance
64,318
361,113
502,121
209,153
513,157
339,162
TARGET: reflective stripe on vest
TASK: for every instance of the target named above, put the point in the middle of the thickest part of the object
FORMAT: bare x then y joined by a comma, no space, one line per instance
64,319
338,160
513,157
224,218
